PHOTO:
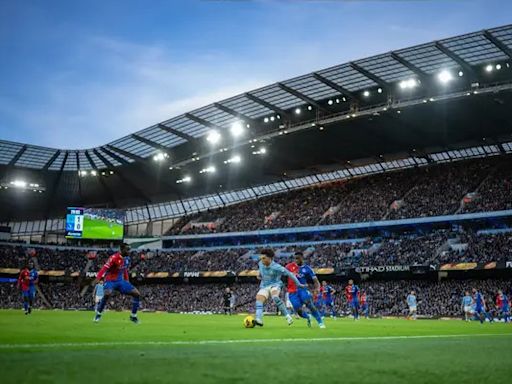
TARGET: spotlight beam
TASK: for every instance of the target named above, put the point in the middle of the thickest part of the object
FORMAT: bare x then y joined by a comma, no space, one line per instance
378,80
303,97
345,92
272,107
498,44
467,68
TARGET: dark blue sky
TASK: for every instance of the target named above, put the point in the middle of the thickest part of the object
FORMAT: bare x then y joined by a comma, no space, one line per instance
79,74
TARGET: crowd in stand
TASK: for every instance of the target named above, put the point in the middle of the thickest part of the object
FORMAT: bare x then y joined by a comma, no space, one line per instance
385,298
408,249
421,192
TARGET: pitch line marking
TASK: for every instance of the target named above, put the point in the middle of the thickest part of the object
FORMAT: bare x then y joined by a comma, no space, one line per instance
238,341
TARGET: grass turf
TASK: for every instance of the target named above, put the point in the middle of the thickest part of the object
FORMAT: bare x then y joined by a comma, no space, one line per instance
101,229
56,346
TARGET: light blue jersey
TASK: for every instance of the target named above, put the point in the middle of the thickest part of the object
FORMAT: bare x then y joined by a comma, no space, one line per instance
271,275
99,290
411,301
467,301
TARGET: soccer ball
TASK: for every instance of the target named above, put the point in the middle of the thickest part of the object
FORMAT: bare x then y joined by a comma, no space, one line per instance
249,322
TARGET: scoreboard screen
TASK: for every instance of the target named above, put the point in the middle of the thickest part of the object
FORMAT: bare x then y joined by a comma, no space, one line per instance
75,222
92,223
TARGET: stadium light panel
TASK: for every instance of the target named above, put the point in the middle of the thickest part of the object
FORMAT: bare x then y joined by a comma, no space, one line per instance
489,68
272,118
461,73
330,102
210,169
310,108
445,77
186,179
337,101
278,117
160,156
265,120
235,159
94,173
379,90
19,183
213,137
498,66
408,84
260,151
82,173
237,129
366,93
297,111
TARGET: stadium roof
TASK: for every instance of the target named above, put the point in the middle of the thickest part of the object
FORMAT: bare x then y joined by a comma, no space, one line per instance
355,104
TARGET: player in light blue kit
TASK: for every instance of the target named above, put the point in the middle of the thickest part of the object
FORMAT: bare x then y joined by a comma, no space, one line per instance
98,293
270,274
467,300
413,306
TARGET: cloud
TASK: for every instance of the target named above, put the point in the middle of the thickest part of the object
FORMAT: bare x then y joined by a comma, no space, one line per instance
131,86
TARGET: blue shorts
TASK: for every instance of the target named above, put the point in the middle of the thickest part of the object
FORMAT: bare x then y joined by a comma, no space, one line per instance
364,306
329,302
299,298
479,310
25,293
505,309
32,291
354,304
121,286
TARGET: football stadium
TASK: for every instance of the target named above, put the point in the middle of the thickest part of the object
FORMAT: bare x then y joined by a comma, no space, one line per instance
349,223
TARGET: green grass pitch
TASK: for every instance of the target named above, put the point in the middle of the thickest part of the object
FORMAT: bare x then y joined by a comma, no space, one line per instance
67,347
101,229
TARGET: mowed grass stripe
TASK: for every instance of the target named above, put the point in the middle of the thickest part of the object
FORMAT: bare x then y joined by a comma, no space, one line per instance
240,341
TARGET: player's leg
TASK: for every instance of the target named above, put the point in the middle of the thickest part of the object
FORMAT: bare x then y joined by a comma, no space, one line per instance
128,289
24,295
109,287
307,299
332,308
274,293
297,305
261,298
355,310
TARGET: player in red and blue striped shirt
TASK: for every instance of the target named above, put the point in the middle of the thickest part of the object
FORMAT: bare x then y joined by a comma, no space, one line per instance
115,273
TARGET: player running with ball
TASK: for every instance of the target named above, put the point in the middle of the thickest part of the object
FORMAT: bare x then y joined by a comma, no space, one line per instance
270,274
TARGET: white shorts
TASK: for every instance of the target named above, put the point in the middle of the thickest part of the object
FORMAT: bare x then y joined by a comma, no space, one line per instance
267,291
412,308
98,299
468,308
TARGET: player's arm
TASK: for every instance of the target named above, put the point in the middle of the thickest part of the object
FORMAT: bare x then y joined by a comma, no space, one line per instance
333,291
18,284
125,273
102,272
292,276
313,277
36,279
